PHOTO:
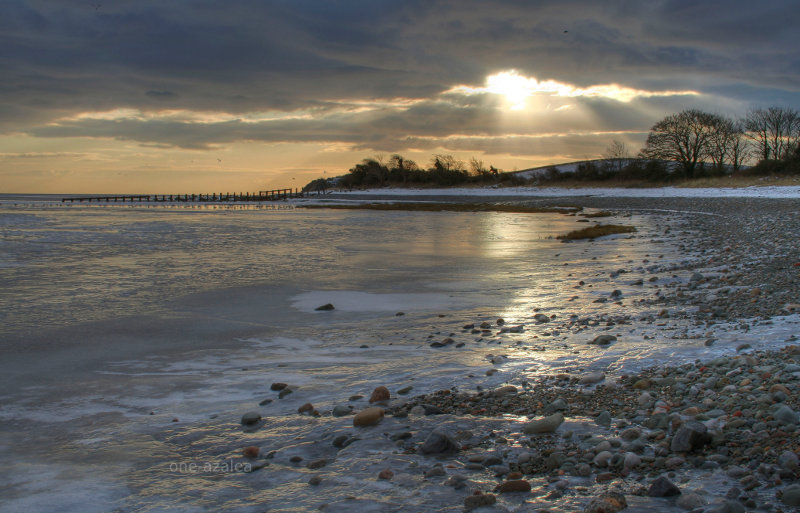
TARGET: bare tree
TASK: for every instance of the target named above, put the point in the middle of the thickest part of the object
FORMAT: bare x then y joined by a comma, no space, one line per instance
682,137
775,131
477,168
726,144
616,155
447,163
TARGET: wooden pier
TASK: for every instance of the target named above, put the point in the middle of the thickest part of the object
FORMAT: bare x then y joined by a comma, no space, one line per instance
273,195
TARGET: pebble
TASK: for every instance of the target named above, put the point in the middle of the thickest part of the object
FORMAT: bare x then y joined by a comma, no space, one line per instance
479,500
380,394
515,485
663,487
368,417
251,452
603,340
791,495
251,418
611,502
438,443
546,425
691,501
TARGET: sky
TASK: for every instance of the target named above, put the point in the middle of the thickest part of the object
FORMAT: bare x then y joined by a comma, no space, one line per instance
196,96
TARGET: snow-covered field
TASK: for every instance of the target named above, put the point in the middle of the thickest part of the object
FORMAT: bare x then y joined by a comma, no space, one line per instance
790,191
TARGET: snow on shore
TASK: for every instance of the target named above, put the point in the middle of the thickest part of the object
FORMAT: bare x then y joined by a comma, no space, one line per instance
782,192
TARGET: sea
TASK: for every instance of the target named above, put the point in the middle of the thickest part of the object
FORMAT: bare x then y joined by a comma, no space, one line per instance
134,337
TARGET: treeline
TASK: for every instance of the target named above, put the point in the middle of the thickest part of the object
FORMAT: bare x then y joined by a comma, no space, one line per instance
694,144
444,170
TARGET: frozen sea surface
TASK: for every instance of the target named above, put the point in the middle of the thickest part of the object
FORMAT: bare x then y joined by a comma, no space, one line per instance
134,338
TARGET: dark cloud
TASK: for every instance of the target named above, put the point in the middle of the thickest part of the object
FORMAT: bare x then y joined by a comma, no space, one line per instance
61,58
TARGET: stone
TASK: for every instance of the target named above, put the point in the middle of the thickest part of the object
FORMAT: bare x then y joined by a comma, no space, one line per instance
788,460
505,390
541,318
632,460
514,485
610,502
405,390
603,419
277,387
602,458
544,425
251,418
368,417
662,487
341,410
380,393
385,474
691,501
436,471
791,496
592,378
317,464
785,415
479,500
439,443
603,340
691,436
325,307
306,408
251,452
729,507
315,480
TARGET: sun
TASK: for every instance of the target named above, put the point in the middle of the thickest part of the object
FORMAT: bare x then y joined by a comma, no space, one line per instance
514,87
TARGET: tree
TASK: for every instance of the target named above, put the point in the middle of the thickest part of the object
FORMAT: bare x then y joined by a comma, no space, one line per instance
775,131
726,144
682,137
477,168
616,155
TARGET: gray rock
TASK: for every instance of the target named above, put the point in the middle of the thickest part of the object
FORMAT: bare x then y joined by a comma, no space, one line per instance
788,460
325,307
439,443
341,410
791,495
545,425
592,378
436,471
541,318
603,340
729,507
603,419
785,415
557,405
662,487
251,418
689,437
691,501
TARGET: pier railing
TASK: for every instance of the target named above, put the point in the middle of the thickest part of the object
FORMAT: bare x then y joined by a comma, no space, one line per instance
273,195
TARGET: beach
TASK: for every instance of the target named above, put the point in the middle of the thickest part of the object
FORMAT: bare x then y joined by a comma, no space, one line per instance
513,372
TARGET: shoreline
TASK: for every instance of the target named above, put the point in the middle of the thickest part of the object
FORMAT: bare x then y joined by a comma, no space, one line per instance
321,460
716,436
